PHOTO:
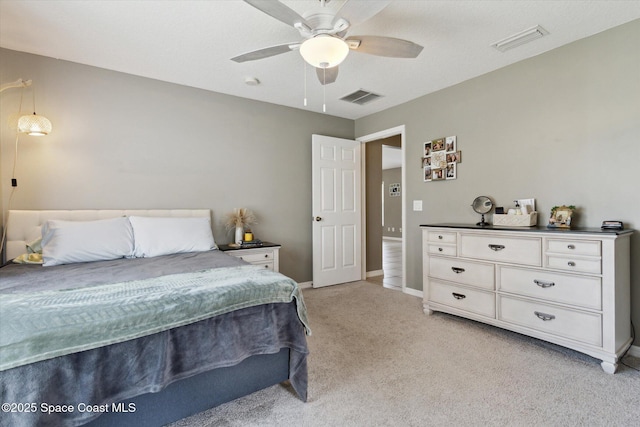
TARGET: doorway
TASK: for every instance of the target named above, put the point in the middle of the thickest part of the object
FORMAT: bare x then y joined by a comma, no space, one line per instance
383,244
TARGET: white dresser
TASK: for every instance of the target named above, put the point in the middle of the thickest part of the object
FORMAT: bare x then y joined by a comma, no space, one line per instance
569,287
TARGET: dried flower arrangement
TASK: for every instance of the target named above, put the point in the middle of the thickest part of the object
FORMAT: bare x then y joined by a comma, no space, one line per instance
240,217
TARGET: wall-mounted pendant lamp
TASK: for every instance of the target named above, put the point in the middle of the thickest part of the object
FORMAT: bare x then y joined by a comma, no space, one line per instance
34,124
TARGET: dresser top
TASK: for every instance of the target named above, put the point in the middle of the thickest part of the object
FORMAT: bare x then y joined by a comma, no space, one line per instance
534,229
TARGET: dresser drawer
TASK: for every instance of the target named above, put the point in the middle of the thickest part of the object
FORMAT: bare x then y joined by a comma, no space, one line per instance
563,322
517,250
465,272
460,297
254,256
583,265
574,247
448,250
441,237
556,287
265,265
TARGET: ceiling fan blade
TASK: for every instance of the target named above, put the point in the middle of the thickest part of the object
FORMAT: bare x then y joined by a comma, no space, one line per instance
385,46
358,11
266,52
278,10
327,75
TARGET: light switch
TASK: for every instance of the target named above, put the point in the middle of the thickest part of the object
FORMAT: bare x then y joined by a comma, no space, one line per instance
417,205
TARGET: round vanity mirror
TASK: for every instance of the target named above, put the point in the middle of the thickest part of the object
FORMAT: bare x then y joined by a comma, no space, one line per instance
482,205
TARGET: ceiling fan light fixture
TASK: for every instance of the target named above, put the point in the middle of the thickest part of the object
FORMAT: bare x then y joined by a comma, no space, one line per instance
324,51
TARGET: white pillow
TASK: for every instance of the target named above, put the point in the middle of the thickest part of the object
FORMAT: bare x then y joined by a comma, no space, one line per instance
66,242
155,236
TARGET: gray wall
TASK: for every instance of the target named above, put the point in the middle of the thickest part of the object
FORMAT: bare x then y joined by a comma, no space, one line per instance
121,141
392,205
562,127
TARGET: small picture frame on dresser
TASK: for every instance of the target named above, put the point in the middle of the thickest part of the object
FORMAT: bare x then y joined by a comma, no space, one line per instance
561,216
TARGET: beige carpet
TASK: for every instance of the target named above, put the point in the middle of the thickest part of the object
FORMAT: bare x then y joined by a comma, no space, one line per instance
377,360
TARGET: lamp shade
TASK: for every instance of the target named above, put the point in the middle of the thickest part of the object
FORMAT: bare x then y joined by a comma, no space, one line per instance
324,51
34,125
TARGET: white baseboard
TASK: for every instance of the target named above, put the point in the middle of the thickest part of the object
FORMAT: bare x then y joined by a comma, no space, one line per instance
414,292
634,351
305,285
375,273
399,239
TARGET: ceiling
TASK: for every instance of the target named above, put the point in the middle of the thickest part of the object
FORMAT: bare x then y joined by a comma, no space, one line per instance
191,43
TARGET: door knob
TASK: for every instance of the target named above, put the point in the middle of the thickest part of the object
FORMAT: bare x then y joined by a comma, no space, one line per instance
318,218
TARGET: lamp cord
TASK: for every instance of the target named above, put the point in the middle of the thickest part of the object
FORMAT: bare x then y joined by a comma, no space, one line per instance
13,176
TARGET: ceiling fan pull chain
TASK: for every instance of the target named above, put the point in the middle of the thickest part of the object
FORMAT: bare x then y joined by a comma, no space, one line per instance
304,71
324,90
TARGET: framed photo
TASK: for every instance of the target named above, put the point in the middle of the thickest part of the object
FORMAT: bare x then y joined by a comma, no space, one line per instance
428,175
450,144
450,171
437,174
427,148
394,190
439,160
561,216
426,161
437,144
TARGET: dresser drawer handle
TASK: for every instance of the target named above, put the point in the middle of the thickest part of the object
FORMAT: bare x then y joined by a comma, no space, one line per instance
543,316
440,237
457,270
496,247
458,296
440,249
571,264
266,255
571,247
543,284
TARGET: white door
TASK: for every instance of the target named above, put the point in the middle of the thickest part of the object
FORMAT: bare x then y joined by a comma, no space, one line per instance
337,221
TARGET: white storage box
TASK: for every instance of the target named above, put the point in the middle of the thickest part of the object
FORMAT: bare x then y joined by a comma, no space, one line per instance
516,220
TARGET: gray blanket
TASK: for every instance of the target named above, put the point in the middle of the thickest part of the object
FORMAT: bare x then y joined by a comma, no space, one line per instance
118,371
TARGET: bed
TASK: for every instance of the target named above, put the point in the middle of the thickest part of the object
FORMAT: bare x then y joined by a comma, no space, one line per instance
174,328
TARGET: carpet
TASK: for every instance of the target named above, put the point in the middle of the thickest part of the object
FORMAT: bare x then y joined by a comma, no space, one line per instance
377,360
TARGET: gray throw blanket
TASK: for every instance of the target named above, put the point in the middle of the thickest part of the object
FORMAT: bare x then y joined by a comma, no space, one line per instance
46,324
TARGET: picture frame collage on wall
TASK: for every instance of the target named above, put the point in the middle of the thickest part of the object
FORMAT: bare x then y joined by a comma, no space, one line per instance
394,190
440,158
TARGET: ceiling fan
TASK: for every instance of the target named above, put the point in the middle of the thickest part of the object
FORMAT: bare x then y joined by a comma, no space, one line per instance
325,43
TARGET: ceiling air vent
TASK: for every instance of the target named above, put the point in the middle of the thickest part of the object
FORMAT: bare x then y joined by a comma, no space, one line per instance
520,38
361,97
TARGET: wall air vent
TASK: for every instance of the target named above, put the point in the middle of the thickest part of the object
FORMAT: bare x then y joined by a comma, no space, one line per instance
361,97
520,38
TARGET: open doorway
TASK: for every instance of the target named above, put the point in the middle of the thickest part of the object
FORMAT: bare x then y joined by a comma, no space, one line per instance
384,208
391,196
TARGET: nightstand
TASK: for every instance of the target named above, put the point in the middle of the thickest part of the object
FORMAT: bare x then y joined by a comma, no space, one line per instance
267,255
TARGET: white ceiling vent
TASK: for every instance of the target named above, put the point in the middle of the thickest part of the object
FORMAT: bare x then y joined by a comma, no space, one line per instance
360,97
520,38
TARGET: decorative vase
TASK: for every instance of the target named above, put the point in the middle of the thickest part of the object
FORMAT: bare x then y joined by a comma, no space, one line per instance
239,234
